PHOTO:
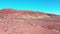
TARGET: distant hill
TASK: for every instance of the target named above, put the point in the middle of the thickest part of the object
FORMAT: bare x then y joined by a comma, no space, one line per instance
28,22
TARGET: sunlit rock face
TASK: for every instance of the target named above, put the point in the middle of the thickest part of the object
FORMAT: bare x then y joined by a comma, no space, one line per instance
28,22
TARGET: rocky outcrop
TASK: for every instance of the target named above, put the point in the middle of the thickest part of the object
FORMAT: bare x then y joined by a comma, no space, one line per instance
28,22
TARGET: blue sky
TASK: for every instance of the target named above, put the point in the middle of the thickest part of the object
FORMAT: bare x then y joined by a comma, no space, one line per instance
47,6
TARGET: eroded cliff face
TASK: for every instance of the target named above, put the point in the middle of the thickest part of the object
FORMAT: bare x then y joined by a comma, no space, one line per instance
28,22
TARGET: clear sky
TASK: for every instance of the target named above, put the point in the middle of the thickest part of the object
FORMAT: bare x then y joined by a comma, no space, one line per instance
47,6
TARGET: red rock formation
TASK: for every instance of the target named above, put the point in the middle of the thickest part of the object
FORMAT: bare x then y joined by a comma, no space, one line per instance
28,22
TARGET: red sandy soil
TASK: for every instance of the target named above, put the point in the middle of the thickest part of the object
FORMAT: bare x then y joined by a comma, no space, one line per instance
28,22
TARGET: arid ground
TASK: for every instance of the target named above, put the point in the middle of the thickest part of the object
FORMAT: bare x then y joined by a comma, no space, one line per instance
28,22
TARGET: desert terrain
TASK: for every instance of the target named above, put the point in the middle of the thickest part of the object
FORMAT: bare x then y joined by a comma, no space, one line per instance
28,22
